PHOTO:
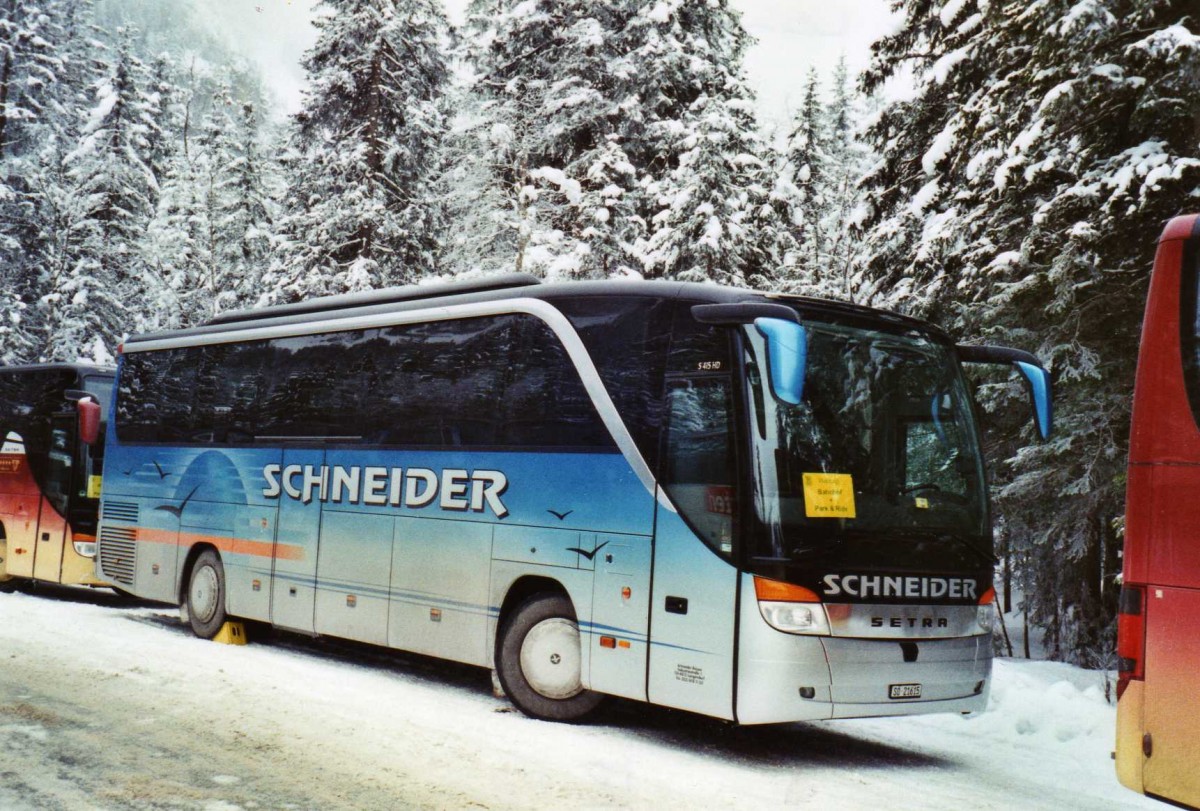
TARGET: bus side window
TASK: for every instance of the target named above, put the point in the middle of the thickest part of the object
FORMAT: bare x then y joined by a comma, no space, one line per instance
628,339
443,383
1189,330
697,470
547,405
298,391
59,469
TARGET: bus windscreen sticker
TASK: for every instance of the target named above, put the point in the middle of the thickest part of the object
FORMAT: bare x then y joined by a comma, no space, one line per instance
829,495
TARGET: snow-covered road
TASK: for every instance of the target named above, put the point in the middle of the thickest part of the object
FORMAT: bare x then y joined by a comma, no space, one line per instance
107,705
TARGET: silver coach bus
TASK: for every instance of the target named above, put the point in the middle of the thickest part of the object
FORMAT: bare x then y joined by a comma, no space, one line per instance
757,507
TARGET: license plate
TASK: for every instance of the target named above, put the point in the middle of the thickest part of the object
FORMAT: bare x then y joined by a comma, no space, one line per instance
904,691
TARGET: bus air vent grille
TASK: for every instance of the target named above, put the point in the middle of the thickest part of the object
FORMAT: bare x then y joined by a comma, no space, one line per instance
123,511
118,553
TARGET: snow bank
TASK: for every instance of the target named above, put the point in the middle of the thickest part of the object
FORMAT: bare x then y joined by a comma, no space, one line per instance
369,728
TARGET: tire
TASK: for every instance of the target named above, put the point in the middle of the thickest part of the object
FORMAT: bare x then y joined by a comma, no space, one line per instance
538,660
205,596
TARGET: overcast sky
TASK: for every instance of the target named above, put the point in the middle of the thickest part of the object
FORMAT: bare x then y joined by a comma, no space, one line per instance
791,34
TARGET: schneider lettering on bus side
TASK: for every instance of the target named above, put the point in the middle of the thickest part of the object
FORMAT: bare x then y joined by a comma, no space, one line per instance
454,489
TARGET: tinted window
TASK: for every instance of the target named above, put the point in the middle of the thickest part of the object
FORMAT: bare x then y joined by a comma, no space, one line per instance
1189,324
482,382
546,403
698,469
437,384
28,399
100,388
698,472
154,399
316,386
627,338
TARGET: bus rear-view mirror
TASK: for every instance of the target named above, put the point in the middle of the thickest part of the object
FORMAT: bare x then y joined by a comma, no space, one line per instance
89,420
787,357
1039,387
1032,371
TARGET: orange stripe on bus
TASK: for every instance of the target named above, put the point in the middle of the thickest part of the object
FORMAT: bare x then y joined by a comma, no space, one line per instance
234,546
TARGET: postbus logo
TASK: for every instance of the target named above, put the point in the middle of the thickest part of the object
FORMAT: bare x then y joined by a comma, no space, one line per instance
452,488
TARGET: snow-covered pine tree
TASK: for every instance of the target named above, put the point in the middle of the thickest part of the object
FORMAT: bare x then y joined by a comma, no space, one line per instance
848,160
539,103
807,153
248,206
109,174
715,213
359,212
704,228
608,211
30,59
1018,201
594,98
80,310
185,244
165,114
43,123
28,63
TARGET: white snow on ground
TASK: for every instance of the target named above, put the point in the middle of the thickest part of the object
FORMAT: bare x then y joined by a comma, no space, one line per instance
108,706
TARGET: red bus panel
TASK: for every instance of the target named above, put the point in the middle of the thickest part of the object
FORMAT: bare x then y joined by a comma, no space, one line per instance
1159,625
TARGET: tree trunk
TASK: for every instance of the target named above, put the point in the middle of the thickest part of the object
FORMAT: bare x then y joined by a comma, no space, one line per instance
5,80
1007,575
1026,635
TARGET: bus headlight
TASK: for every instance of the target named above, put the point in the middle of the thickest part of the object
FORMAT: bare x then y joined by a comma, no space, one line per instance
985,614
790,608
796,618
85,548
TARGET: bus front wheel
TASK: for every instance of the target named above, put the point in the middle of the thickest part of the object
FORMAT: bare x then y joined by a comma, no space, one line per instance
539,663
206,595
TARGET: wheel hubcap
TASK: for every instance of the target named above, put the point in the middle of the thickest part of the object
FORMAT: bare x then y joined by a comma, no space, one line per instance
202,597
550,658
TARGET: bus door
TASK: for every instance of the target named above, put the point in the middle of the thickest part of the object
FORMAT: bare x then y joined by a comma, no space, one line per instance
20,507
294,564
21,504
694,601
52,526
1171,658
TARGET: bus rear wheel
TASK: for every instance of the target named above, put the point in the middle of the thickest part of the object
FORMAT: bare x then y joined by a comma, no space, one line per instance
206,595
538,660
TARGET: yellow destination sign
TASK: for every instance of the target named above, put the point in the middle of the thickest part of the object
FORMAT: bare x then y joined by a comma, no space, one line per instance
829,495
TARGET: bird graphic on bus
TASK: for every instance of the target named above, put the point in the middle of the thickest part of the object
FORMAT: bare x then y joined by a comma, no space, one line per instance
211,476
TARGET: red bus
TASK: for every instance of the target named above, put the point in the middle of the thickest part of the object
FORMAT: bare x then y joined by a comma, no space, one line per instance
1158,641
50,456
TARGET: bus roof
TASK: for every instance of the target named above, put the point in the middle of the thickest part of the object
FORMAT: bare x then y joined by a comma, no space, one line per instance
496,288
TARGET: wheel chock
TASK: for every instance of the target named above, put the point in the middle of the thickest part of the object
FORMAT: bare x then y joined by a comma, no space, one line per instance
231,633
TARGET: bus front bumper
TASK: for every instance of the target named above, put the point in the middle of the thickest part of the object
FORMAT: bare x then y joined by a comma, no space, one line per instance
787,677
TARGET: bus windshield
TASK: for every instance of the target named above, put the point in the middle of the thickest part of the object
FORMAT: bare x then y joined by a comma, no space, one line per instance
878,466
